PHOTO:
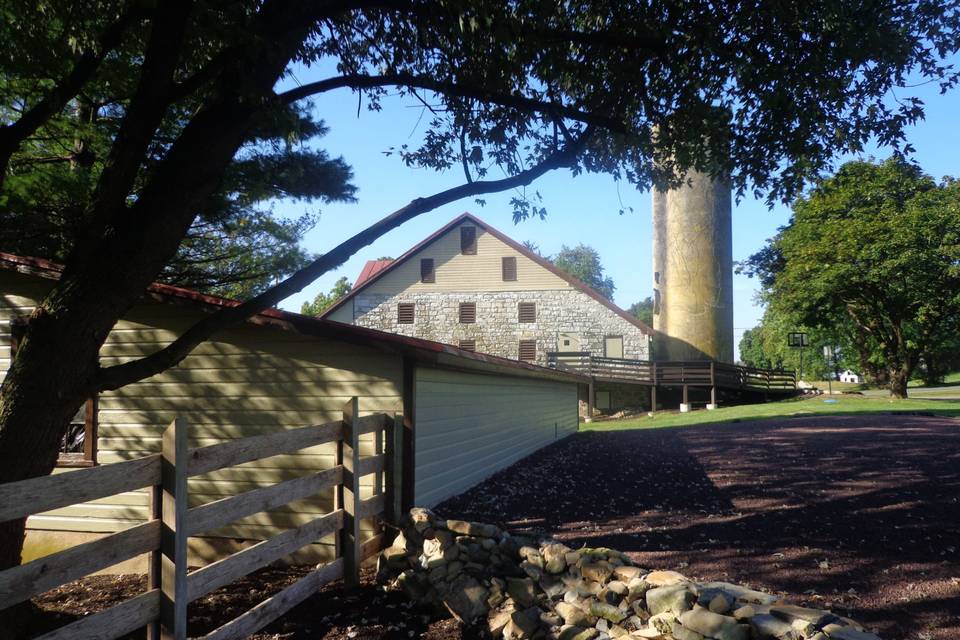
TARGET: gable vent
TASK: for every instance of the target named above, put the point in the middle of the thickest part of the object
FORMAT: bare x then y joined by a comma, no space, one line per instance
468,345
468,312
509,268
528,350
427,274
405,313
468,241
527,312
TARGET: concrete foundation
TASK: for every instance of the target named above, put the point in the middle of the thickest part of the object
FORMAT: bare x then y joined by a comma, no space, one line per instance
693,271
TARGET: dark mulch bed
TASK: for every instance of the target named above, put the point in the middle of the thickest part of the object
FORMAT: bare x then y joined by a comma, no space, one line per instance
860,514
857,513
360,614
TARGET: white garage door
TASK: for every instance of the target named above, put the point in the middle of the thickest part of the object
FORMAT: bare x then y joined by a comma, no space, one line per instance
469,426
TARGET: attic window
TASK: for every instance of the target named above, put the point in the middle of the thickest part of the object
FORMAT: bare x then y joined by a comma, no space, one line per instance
468,241
527,312
468,312
405,313
468,345
509,269
528,350
427,274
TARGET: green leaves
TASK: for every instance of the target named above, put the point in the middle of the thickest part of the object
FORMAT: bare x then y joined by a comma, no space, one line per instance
583,262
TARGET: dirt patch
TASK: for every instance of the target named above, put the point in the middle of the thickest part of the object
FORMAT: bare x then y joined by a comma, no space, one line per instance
859,514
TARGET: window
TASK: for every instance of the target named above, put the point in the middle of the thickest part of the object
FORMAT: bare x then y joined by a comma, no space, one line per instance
468,241
528,350
468,345
427,274
613,346
509,269
405,313
79,445
468,312
527,312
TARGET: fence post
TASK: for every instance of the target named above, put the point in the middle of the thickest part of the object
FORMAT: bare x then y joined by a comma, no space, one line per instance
394,487
154,559
350,491
173,533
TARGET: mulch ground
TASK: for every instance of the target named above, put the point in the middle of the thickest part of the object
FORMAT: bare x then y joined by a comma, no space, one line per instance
860,514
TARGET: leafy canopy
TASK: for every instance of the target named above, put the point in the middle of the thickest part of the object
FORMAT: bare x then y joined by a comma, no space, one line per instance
323,301
583,262
877,246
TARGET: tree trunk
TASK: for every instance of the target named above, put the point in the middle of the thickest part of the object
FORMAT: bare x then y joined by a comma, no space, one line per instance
898,383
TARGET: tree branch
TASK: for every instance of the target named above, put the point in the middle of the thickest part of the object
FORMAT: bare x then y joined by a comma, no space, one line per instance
363,81
12,135
120,375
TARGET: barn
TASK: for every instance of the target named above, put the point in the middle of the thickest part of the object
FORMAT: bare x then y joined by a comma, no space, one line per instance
466,414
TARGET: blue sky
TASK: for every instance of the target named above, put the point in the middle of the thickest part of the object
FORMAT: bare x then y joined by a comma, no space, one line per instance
582,209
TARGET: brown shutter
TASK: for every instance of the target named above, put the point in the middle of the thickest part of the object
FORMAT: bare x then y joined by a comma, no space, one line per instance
527,312
528,350
427,273
405,313
468,312
509,269
468,241
468,345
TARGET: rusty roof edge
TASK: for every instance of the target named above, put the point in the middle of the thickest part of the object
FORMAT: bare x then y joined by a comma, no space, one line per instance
306,325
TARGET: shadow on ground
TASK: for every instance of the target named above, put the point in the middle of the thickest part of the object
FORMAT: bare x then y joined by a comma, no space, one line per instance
857,512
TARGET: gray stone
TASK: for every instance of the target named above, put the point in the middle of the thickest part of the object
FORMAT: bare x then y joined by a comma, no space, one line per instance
554,557
765,625
665,578
627,573
714,625
742,594
844,632
596,571
578,633
676,598
680,632
616,631
606,611
466,599
522,590
497,622
473,528
574,615
811,620
663,621
526,622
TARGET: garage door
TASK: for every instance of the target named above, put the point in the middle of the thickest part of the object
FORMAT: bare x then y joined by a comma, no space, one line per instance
469,426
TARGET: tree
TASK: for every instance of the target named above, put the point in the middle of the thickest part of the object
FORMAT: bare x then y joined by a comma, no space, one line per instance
763,92
323,300
643,310
875,246
583,262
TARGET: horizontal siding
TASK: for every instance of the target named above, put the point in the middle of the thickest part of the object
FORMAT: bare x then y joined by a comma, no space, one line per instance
469,426
457,272
248,381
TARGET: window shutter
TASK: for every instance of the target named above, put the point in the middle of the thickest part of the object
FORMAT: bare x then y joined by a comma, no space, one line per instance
527,312
509,269
528,350
427,273
405,313
468,345
468,241
468,312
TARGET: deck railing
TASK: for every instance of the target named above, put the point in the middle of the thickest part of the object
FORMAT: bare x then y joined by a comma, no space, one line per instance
162,609
672,373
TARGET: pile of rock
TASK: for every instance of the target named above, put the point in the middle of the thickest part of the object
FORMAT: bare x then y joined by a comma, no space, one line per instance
522,588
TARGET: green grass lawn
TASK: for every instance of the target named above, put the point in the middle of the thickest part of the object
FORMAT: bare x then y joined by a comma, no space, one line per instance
781,409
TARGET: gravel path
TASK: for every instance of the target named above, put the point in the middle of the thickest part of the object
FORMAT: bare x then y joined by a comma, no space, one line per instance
860,514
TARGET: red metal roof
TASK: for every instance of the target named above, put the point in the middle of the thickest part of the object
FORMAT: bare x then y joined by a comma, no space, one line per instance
370,269
427,350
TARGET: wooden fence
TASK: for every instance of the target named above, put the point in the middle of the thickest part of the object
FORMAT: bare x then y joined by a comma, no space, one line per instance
162,609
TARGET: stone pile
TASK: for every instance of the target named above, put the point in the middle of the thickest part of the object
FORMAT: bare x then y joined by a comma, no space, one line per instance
523,588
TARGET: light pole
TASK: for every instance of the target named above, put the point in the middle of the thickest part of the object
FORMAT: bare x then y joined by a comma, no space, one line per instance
798,340
828,356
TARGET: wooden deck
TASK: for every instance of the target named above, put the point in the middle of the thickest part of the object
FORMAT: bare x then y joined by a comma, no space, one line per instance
674,374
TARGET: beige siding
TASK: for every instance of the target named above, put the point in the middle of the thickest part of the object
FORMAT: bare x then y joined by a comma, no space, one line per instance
468,426
249,380
343,314
457,272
